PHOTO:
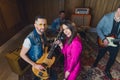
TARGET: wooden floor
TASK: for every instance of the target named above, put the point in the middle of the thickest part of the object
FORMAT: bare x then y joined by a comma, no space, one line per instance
5,70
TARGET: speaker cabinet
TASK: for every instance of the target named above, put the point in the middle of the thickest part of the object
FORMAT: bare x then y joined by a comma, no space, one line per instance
17,64
81,20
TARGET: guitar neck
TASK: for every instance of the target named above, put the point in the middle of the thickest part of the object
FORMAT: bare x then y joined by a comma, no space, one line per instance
50,54
116,40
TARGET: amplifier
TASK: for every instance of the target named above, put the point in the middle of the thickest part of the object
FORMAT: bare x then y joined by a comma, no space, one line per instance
17,64
82,11
81,19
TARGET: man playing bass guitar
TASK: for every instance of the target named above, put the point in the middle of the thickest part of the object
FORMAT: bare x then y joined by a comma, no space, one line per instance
33,46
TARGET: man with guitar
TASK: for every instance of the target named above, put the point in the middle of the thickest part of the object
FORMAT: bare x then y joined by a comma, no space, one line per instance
33,46
108,25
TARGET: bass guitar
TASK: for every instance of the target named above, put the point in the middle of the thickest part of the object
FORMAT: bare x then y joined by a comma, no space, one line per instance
46,61
111,39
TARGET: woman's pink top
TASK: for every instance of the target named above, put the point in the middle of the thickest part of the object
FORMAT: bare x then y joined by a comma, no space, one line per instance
72,54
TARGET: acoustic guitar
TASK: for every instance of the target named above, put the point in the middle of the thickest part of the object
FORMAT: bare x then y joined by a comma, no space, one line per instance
111,39
46,61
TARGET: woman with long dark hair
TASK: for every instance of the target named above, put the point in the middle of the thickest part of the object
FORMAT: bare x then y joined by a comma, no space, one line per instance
71,48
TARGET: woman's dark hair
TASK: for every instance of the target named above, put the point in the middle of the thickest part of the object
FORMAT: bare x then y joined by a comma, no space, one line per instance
72,28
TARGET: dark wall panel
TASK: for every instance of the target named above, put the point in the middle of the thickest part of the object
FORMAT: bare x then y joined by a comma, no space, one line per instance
47,8
10,13
70,6
10,19
14,13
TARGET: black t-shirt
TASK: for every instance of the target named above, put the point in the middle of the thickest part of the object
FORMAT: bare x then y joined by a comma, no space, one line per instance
115,30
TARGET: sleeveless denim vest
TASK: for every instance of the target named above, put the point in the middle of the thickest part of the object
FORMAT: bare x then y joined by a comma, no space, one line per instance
36,50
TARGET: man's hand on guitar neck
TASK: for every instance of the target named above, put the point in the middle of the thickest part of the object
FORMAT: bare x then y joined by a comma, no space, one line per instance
38,66
106,42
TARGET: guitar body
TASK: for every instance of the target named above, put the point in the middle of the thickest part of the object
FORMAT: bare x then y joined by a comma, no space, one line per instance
47,63
110,39
100,42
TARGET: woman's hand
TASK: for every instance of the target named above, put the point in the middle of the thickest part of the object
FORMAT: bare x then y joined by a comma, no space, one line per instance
67,73
58,42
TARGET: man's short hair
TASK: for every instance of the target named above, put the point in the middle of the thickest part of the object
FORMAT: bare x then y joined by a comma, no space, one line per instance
119,6
41,17
62,11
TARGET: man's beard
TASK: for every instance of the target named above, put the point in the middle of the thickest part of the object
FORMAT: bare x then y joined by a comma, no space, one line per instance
40,31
